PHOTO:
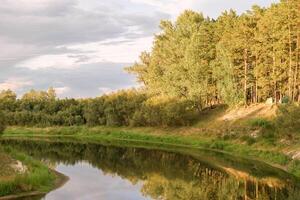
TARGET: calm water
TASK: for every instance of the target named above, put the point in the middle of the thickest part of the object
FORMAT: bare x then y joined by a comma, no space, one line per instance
87,182
98,171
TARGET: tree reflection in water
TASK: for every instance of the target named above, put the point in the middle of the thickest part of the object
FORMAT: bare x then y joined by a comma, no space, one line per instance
168,175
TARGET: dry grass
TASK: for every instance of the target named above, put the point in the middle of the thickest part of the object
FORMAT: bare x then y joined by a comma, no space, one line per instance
252,111
7,172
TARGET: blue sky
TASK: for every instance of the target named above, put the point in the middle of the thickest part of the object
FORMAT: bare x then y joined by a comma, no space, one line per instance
80,47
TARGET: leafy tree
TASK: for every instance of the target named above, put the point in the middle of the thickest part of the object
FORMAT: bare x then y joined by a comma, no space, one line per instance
7,100
226,71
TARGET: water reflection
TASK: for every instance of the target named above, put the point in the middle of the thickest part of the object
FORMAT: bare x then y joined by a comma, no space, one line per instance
88,183
109,172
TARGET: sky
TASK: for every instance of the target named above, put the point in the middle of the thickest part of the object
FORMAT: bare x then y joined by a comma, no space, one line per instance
80,47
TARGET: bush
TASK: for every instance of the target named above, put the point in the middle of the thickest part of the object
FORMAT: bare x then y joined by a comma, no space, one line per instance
219,145
163,111
2,123
249,140
285,100
288,119
294,167
260,122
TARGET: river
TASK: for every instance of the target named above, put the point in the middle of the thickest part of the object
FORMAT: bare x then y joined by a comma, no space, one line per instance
115,172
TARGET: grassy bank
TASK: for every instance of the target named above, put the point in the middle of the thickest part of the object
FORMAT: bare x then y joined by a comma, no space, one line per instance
262,150
35,179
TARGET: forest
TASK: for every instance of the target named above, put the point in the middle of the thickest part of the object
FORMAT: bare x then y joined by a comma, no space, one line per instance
195,63
234,59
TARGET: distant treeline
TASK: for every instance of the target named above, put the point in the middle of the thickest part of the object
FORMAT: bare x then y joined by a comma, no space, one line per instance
245,58
123,108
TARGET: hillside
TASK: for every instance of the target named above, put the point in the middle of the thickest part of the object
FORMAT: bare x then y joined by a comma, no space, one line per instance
252,111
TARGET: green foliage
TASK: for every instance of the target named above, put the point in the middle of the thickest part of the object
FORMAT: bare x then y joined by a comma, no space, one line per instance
267,128
288,119
260,122
179,64
123,108
2,123
249,140
164,112
235,58
269,135
294,167
219,144
285,100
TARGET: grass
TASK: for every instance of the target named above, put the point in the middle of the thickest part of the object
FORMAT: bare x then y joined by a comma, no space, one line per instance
294,167
37,178
260,122
6,170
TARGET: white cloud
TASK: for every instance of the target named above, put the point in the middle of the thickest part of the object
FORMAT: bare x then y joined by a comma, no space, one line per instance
15,84
34,28
61,90
211,8
32,6
172,7
105,90
62,61
108,90
120,50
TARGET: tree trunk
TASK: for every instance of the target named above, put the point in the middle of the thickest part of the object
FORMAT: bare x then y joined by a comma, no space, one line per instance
245,75
295,81
199,105
256,91
256,79
290,82
252,96
245,188
274,78
297,69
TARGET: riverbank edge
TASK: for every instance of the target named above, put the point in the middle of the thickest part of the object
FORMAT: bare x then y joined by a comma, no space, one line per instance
59,180
274,157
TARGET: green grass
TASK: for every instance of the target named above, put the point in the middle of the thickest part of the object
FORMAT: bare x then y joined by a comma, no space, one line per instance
294,167
260,122
37,178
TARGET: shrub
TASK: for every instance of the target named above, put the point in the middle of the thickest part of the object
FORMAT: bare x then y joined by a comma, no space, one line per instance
285,100
260,122
163,111
294,167
249,140
219,145
288,119
2,123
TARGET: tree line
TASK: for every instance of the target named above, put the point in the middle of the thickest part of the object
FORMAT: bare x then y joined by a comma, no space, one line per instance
247,58
122,108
